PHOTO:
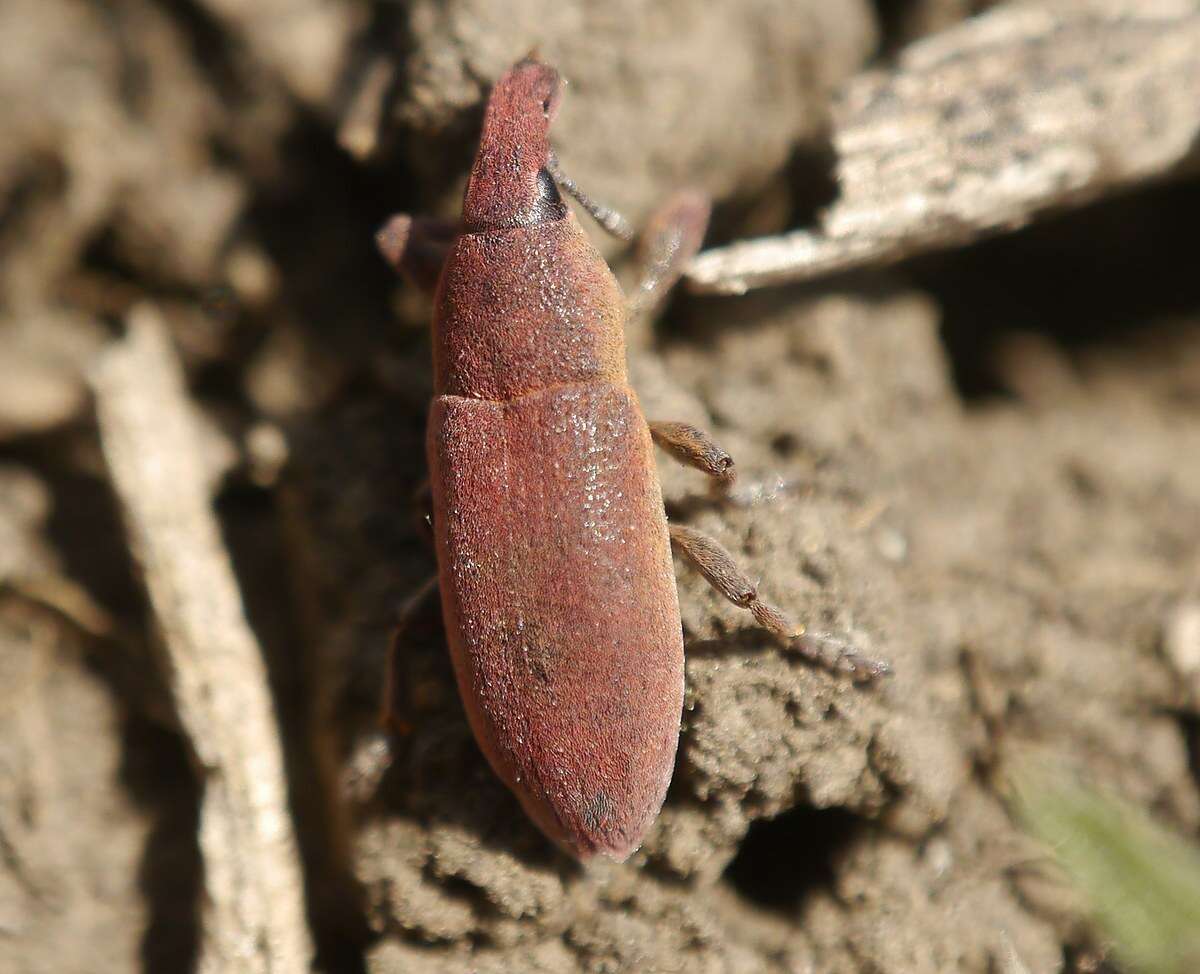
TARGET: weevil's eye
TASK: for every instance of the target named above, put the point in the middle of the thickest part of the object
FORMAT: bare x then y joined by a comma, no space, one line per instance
549,205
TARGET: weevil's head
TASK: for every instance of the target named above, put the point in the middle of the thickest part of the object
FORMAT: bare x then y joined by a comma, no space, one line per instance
509,184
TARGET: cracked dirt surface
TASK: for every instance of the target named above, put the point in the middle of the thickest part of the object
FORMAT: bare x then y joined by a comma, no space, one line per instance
888,510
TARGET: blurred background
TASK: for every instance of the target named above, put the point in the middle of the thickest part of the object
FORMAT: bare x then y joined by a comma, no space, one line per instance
971,438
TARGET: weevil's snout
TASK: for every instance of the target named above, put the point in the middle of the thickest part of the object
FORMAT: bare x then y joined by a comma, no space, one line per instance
509,184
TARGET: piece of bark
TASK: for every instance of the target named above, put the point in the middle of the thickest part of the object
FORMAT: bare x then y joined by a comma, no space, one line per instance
977,129
253,918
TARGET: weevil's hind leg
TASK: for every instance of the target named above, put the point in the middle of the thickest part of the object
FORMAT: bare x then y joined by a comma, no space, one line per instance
692,446
670,239
373,754
390,711
722,573
389,716
416,247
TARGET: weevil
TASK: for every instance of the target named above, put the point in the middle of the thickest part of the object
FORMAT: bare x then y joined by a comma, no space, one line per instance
553,547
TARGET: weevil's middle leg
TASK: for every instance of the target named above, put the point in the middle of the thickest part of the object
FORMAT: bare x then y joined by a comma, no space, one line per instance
722,573
693,446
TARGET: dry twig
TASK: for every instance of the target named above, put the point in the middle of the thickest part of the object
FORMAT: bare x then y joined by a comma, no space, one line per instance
978,128
254,917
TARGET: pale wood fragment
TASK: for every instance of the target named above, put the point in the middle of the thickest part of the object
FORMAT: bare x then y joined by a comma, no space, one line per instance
254,918
979,128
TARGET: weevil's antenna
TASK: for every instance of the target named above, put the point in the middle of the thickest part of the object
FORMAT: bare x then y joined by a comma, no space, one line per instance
606,216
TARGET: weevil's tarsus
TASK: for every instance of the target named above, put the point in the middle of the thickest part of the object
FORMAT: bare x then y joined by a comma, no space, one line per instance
606,216
719,569
694,447
837,653
369,761
416,247
671,238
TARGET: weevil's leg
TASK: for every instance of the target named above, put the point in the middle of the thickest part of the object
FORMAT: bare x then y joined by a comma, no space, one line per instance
668,242
389,717
722,573
372,755
416,246
694,447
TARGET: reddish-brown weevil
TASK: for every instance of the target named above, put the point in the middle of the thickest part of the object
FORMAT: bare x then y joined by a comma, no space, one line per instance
553,549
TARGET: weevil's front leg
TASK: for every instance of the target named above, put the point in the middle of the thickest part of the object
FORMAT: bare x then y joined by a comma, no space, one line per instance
722,573
416,246
693,446
670,239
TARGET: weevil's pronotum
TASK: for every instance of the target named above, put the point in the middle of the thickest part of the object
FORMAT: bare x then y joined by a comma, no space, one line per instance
553,548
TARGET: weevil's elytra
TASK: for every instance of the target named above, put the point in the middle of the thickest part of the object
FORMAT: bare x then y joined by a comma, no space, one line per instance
564,630
554,556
